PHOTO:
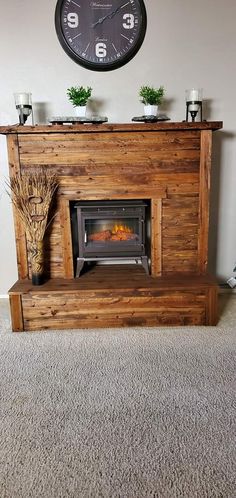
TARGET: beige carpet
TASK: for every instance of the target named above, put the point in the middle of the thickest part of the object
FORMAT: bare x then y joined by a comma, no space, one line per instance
125,413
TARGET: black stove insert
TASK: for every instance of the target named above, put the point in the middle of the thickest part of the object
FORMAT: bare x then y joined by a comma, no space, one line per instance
111,231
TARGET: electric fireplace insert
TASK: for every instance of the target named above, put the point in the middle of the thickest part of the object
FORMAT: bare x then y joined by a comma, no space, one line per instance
110,231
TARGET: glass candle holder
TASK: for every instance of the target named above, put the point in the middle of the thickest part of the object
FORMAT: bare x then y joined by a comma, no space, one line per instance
23,103
193,97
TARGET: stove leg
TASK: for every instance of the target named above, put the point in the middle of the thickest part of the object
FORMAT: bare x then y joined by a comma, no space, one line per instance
79,266
144,261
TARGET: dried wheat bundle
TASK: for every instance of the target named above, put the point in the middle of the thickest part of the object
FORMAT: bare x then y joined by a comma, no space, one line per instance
32,194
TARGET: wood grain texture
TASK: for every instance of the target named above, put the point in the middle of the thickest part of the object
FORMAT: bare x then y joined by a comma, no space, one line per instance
124,165
156,237
167,165
117,296
17,320
204,174
15,169
111,127
66,240
180,225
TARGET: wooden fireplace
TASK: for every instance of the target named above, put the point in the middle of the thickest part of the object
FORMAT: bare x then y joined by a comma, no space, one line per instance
165,166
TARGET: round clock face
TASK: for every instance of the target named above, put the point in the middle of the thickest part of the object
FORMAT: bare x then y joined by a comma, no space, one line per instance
102,34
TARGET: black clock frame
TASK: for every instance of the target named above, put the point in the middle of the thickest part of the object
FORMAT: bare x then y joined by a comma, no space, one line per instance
99,66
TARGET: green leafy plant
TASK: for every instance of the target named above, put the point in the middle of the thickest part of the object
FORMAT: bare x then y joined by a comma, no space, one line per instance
79,95
151,96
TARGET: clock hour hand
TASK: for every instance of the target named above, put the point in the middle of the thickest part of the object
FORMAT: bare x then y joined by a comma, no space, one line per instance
100,21
108,16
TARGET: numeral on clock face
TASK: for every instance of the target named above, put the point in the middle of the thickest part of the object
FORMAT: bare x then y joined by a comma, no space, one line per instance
73,20
101,49
129,18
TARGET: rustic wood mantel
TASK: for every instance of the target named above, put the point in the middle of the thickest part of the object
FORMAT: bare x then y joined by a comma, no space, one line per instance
167,164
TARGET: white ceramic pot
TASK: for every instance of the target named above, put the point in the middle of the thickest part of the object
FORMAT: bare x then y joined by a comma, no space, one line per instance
150,110
80,111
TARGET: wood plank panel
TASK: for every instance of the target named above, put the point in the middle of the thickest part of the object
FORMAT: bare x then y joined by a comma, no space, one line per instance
95,135
15,169
125,320
179,262
188,203
117,279
180,234
205,167
176,243
169,126
170,166
99,315
180,217
77,310
36,306
103,192
177,232
96,157
110,187
156,237
16,312
66,239
161,179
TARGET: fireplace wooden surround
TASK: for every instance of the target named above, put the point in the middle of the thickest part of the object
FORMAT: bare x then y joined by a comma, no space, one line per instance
166,165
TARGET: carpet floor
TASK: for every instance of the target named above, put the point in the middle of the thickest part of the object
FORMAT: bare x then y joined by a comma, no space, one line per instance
119,413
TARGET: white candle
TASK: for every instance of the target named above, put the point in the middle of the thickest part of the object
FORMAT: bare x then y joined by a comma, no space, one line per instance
193,95
193,107
23,98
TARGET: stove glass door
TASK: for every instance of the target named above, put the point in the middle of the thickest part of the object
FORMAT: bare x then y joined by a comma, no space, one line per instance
111,233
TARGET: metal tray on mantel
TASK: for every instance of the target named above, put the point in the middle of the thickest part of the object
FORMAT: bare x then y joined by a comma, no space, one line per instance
77,119
151,119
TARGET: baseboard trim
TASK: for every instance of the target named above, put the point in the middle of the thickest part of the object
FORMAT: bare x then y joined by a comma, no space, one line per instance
226,289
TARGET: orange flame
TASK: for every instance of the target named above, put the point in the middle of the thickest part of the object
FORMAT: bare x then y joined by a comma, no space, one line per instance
121,228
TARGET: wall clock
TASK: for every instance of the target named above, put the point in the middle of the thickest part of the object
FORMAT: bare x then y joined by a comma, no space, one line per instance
101,35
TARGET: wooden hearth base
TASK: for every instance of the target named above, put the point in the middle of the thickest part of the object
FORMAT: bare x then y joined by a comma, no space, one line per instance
114,296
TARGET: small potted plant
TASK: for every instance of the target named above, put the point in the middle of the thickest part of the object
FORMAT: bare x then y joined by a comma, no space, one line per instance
79,96
151,98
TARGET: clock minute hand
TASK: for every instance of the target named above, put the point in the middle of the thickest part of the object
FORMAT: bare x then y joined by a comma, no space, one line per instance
108,16
113,13
100,21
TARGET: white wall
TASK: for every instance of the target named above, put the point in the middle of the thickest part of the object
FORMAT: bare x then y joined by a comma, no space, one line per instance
187,44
